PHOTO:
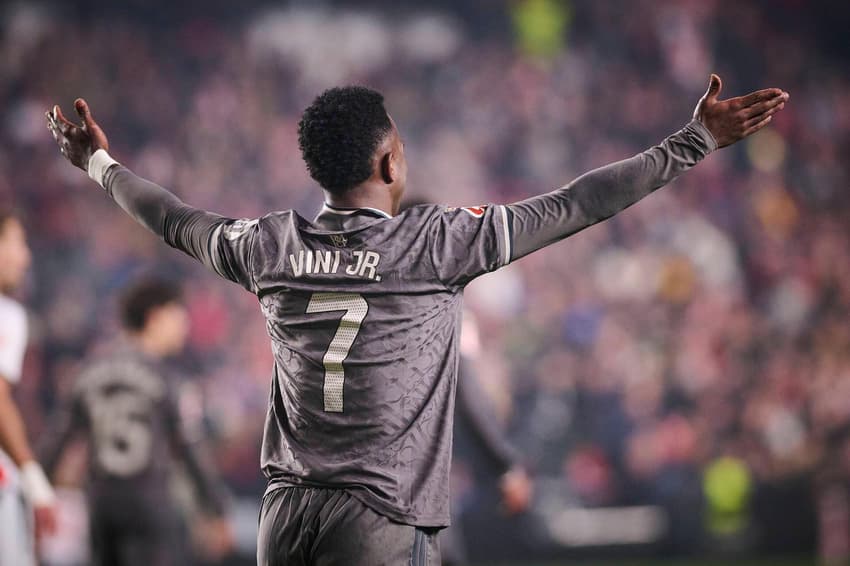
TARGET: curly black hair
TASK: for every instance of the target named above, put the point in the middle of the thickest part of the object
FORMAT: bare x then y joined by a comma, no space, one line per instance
140,299
338,135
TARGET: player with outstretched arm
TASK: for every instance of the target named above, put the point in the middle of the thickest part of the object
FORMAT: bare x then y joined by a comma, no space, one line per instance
363,308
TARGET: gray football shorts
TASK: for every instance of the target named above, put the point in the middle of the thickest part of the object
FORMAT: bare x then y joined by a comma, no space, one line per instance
304,526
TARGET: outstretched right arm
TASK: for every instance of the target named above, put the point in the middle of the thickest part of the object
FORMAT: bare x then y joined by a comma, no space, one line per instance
222,244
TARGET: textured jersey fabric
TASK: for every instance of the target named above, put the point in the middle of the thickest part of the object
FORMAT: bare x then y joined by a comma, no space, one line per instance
363,312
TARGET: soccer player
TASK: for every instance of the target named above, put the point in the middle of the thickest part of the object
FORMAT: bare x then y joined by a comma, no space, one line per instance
363,307
475,420
125,404
19,472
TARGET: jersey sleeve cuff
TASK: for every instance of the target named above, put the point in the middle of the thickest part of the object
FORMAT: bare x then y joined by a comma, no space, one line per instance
35,486
507,234
705,135
99,164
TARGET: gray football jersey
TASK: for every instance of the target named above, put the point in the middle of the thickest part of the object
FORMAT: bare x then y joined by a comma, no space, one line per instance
363,311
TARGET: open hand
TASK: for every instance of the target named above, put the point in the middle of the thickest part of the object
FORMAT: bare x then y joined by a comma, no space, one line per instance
77,143
733,119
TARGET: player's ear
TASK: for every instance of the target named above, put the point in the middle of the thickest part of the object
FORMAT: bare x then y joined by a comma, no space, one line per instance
389,168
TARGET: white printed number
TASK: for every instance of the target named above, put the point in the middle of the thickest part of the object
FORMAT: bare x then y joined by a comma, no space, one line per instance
355,307
123,440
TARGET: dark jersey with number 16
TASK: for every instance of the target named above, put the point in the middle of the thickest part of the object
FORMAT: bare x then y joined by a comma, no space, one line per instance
363,311
124,407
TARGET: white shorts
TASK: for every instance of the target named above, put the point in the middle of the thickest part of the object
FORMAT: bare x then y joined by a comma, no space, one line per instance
16,540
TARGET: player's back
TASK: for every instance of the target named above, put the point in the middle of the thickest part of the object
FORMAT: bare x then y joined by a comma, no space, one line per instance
124,402
364,313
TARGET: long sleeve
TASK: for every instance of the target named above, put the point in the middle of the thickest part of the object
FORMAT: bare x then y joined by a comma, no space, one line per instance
474,408
222,244
210,491
61,430
602,193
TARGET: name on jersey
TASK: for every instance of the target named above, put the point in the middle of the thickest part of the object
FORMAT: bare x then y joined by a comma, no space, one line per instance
313,262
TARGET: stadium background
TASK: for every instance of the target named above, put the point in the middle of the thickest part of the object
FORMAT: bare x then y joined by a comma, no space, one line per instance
684,368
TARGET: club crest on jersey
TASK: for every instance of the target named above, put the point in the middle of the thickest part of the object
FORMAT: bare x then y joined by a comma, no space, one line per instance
338,240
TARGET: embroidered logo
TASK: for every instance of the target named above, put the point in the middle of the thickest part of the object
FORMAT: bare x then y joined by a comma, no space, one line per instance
339,240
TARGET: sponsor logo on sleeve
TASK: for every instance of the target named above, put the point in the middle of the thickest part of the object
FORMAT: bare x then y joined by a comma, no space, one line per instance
239,228
474,211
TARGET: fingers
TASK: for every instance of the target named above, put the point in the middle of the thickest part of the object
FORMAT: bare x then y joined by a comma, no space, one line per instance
759,117
765,105
85,114
757,96
715,85
54,128
756,127
60,128
58,124
64,124
51,123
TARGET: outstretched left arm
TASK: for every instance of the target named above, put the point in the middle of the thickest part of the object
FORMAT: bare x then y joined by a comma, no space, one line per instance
214,240
599,194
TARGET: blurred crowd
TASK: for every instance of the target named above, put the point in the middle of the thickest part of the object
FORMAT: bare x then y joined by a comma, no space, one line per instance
684,354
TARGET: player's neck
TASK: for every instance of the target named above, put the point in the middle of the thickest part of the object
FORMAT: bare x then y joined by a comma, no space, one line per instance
149,344
365,195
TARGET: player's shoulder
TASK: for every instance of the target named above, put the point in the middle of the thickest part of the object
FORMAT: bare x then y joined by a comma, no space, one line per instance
248,231
453,215
411,222
442,217
465,212
421,213
275,221
121,365
278,216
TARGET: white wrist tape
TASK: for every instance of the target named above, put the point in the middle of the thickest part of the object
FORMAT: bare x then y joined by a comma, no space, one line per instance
99,162
35,486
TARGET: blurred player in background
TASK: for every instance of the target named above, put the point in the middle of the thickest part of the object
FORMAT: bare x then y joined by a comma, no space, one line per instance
125,403
476,419
363,306
19,472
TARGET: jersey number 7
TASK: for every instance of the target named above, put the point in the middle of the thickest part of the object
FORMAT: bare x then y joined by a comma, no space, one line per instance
355,307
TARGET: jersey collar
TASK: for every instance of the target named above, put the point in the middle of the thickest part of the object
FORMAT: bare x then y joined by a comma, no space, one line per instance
346,211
